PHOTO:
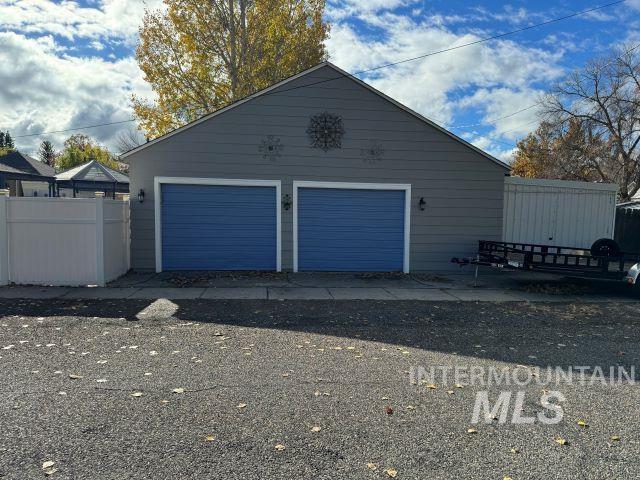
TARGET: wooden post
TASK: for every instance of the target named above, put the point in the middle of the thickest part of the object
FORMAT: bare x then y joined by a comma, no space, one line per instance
4,236
100,276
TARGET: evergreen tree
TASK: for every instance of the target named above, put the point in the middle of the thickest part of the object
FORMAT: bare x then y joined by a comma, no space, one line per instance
8,141
47,154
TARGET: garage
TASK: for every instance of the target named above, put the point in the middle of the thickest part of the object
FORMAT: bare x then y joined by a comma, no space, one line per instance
351,227
218,225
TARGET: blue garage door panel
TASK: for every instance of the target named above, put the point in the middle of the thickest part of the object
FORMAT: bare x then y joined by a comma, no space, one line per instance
215,227
350,230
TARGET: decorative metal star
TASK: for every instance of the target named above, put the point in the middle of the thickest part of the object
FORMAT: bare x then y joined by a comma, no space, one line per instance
271,148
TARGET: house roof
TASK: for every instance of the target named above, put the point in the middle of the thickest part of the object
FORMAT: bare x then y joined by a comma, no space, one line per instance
342,74
92,171
16,162
632,205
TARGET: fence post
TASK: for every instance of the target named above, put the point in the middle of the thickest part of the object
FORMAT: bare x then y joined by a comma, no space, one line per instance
100,278
4,236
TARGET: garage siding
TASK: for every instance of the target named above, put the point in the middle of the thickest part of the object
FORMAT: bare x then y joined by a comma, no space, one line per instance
463,190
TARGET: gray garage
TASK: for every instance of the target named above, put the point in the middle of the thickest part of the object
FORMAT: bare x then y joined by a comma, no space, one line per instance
320,172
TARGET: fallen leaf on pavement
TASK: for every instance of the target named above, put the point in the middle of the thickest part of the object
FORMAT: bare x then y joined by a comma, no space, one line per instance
48,464
615,438
279,447
391,472
209,438
136,394
582,423
316,429
514,450
472,430
561,441
388,410
242,405
74,377
372,466
178,390
432,386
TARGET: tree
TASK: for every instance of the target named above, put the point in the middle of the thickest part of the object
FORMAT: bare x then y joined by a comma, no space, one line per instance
79,149
201,55
128,139
6,143
595,114
554,152
47,154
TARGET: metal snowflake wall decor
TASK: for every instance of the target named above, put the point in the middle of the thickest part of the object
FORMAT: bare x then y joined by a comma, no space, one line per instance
372,151
326,131
271,148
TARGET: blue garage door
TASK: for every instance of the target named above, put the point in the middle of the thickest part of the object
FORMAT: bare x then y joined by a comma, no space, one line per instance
214,227
350,230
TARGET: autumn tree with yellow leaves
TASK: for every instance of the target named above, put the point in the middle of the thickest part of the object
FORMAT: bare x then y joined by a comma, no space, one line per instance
200,55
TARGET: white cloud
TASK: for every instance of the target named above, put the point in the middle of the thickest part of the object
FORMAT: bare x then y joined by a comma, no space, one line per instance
42,89
502,73
117,19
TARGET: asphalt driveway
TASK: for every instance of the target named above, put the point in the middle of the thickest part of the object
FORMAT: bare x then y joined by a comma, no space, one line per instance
262,389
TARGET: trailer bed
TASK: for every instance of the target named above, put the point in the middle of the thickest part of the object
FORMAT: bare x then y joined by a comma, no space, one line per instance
569,261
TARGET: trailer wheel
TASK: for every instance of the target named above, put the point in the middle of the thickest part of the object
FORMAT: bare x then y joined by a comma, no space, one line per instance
605,247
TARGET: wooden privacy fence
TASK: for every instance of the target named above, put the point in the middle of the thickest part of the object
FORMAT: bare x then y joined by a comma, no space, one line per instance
63,241
628,229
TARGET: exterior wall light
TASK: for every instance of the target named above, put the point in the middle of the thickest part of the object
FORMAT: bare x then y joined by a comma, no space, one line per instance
286,202
141,195
422,203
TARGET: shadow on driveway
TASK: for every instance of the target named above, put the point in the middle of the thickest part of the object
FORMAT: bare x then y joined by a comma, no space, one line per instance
534,334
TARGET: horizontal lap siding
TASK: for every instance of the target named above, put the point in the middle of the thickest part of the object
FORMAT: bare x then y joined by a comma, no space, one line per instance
218,227
463,190
357,230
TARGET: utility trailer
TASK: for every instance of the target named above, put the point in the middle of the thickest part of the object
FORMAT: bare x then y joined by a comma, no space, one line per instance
603,261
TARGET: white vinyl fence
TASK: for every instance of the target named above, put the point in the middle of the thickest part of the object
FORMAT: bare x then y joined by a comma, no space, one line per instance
63,241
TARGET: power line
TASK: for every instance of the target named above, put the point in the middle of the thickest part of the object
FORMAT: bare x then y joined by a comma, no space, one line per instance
74,129
387,65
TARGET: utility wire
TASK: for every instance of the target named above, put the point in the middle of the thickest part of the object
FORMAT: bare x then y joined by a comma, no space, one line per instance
74,129
387,65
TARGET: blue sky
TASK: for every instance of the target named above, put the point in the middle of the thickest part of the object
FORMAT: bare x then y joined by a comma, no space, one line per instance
67,64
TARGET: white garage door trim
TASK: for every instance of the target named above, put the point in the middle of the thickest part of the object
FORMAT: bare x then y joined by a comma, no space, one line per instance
355,186
158,181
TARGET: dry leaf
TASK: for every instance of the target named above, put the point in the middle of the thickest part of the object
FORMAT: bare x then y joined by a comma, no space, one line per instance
279,447
48,464
316,429
514,450
615,438
457,385
388,410
472,430
136,394
432,386
50,471
242,405
372,466
507,478
391,472
74,377
561,441
582,424
450,392
178,390
209,438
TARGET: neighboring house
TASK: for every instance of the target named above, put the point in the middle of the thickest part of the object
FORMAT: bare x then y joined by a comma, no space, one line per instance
25,176
318,172
91,177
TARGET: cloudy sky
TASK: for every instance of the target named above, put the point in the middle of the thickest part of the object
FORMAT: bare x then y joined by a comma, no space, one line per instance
68,64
